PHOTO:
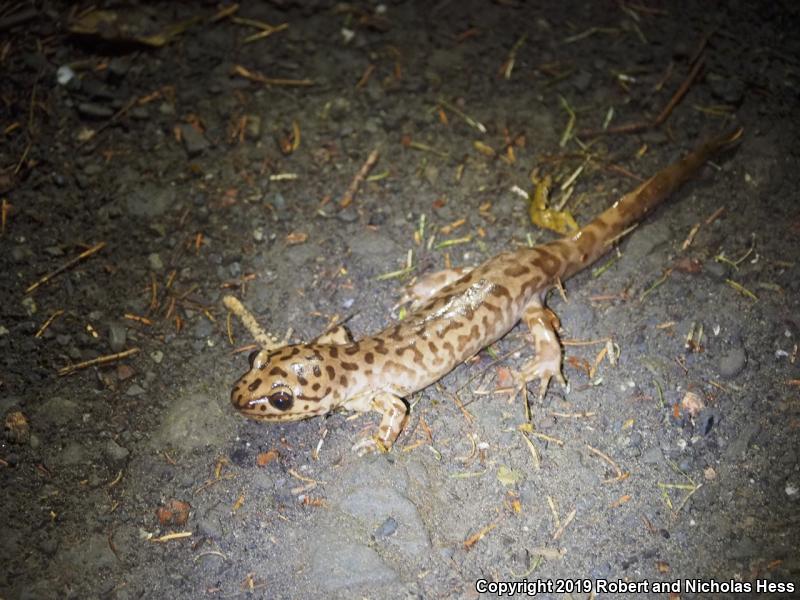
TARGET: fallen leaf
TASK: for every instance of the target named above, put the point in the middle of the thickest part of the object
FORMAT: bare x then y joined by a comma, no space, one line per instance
692,403
508,476
264,458
17,429
688,265
296,237
173,513
505,378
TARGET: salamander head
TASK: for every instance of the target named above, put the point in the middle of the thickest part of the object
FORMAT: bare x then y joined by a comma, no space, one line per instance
287,384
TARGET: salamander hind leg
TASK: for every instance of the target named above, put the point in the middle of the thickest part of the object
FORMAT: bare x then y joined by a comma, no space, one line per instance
425,287
542,324
394,412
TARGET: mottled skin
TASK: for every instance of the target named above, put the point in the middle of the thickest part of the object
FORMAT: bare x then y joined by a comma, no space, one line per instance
459,312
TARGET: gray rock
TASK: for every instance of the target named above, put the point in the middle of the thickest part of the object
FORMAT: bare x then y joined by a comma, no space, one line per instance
134,390
210,527
48,545
39,590
140,113
155,262
347,215
21,253
193,421
235,269
374,251
706,421
96,89
93,169
653,456
716,270
29,304
7,403
167,109
114,451
117,336
582,80
253,128
194,142
338,564
386,529
95,111
376,507
339,109
262,480
739,446
373,126
431,174
58,411
728,90
118,67
202,329
149,200
73,454
732,362
279,201
89,555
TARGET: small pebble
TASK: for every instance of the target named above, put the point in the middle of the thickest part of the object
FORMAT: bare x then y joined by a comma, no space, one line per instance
114,451
716,270
253,128
193,141
386,529
117,336
339,108
95,111
64,74
278,201
29,304
732,362
155,262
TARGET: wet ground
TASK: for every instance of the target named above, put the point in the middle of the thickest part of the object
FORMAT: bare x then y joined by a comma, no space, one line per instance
145,177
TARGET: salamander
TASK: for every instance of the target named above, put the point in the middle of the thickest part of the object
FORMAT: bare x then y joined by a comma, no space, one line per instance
455,313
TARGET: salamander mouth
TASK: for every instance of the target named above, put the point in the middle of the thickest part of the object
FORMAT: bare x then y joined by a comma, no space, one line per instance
258,409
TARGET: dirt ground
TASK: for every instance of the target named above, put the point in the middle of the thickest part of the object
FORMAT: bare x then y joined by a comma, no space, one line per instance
193,150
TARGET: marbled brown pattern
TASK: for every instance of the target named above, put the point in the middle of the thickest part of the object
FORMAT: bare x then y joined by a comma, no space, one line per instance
454,323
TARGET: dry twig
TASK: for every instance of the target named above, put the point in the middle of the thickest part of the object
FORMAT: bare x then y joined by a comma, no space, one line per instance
359,178
100,360
65,266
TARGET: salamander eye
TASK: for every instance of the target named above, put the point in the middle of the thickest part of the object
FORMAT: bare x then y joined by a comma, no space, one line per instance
282,400
252,358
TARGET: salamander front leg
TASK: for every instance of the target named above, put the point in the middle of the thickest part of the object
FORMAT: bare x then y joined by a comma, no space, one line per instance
542,323
394,412
339,335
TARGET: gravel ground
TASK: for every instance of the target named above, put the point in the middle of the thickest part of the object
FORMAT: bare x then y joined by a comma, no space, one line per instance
147,170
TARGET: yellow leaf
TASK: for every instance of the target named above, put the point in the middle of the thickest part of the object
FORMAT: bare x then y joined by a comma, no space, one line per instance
508,476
